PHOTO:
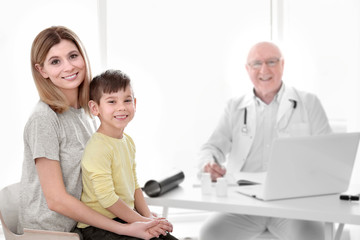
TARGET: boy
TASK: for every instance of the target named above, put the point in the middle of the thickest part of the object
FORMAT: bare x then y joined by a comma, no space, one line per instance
108,165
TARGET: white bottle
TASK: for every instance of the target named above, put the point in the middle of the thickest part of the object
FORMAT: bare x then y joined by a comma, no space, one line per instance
206,183
221,187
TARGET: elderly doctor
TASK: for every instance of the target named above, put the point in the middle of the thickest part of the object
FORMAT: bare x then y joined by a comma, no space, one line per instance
242,140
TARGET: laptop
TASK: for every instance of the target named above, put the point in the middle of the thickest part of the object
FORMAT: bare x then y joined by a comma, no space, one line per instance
307,166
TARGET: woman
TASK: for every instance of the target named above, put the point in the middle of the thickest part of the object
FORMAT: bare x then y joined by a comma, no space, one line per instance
54,138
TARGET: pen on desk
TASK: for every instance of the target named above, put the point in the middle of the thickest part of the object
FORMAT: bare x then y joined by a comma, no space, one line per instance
347,197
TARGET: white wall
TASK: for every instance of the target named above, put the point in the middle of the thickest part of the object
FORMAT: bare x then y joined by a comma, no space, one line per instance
186,59
20,22
321,42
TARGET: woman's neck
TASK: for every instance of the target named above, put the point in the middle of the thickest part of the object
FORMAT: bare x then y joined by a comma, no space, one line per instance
72,97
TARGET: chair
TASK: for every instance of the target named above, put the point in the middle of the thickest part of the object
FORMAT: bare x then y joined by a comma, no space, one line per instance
9,202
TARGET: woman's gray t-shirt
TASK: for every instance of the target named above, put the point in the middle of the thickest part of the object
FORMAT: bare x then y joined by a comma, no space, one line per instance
59,137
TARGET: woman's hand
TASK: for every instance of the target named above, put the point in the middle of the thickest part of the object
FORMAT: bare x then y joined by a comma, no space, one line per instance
148,230
165,224
163,220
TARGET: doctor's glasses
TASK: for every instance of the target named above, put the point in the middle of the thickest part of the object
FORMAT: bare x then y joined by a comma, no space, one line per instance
257,64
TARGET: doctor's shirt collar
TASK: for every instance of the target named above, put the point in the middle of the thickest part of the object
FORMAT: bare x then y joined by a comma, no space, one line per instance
276,99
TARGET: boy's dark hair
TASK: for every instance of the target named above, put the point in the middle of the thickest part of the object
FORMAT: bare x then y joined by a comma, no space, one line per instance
108,82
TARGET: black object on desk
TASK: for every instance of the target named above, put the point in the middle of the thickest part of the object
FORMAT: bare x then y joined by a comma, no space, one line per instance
155,188
349,197
244,182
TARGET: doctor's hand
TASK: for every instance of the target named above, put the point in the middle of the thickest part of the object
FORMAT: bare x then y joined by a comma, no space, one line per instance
215,170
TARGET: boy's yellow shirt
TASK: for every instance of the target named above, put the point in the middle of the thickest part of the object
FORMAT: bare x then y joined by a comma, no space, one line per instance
108,173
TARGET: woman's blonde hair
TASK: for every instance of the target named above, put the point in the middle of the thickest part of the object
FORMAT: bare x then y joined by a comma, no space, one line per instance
48,92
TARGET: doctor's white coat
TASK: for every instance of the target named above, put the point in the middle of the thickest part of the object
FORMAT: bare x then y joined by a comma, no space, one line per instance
229,144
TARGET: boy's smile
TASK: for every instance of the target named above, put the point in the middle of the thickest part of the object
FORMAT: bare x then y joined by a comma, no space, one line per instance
115,111
121,117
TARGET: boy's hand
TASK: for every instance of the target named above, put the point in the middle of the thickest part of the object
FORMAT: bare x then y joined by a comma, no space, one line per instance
147,230
154,215
163,222
166,224
163,226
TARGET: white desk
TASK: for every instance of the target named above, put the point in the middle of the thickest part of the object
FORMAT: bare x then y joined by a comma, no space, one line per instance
328,209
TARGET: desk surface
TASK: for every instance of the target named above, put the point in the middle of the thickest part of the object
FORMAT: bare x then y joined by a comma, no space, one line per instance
321,208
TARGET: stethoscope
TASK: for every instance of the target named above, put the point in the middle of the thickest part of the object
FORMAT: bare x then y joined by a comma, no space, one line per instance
245,128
